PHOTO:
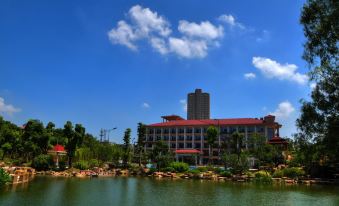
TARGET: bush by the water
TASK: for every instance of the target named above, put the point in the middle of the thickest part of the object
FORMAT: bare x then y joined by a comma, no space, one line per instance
278,174
168,169
202,169
194,172
293,172
81,165
4,177
226,173
263,177
42,162
94,163
179,166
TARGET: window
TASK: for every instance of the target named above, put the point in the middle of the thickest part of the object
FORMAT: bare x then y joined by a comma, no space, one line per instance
250,129
181,130
165,138
173,131
150,131
173,138
166,131
173,145
150,138
197,145
188,145
197,130
158,131
198,138
189,130
205,137
241,129
270,133
158,138
260,129
181,138
189,138
181,145
232,130
149,145
224,130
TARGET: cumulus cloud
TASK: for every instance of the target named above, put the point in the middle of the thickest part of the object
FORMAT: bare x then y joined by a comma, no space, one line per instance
145,105
188,48
273,69
204,30
195,40
183,104
124,35
148,21
284,110
230,20
7,108
249,75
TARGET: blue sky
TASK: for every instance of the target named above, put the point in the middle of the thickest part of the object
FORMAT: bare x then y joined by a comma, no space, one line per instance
115,63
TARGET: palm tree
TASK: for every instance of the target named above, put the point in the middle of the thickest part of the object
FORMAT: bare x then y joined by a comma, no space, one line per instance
212,133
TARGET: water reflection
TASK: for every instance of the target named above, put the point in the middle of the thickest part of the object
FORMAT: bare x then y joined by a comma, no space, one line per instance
161,192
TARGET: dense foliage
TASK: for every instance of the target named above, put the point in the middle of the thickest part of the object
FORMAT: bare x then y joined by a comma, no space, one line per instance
317,142
4,177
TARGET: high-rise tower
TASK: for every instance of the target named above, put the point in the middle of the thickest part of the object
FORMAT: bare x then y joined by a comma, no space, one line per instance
198,105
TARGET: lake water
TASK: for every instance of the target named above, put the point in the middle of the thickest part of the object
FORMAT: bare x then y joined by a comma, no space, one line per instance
48,191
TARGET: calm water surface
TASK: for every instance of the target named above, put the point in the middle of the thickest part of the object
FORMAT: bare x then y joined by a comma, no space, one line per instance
146,191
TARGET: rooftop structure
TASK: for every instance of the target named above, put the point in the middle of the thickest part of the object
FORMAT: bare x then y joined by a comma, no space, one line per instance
198,105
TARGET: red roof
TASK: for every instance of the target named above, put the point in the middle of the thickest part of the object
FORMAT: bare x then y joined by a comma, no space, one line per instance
58,148
187,151
172,117
277,140
207,122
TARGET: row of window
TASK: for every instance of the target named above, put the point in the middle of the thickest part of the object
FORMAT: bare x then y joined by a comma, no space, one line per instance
224,130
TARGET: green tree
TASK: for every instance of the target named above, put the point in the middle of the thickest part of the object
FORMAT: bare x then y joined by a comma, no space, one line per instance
74,139
141,141
237,143
161,155
319,119
127,147
212,134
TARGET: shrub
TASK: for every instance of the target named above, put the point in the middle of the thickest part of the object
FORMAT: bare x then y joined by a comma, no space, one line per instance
226,173
94,163
151,170
81,165
179,166
42,162
202,169
4,177
293,172
218,170
278,174
168,169
194,171
263,177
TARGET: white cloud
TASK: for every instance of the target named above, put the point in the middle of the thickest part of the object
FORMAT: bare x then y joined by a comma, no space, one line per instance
183,104
273,69
249,75
204,30
188,48
145,105
7,108
148,21
124,35
194,42
284,110
159,45
230,20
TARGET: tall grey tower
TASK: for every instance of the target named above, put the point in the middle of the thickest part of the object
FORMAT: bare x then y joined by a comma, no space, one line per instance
198,105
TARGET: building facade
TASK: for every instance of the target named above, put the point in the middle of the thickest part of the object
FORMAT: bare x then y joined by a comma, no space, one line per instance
190,135
198,105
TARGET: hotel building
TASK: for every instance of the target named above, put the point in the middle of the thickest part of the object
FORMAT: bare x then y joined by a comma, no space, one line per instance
188,137
198,105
